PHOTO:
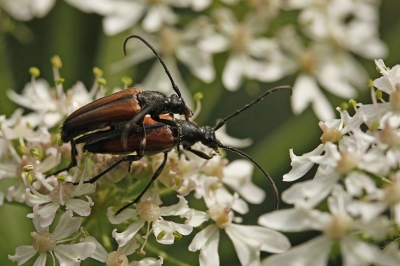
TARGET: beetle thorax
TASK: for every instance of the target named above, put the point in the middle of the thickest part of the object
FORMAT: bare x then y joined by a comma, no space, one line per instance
159,102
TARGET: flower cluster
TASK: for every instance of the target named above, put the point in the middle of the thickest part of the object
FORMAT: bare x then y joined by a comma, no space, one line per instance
30,150
358,174
319,47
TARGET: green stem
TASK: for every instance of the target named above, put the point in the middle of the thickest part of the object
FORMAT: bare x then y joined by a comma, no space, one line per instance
161,253
380,180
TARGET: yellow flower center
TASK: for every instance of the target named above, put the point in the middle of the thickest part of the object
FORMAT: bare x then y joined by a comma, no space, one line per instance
44,241
148,211
220,215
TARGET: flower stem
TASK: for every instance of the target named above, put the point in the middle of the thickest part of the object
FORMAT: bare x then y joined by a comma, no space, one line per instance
161,253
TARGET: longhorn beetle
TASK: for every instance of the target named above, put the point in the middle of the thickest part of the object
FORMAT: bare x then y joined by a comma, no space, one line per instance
129,106
162,137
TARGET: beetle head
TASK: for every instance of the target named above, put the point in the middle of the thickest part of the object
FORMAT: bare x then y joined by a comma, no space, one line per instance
209,139
178,106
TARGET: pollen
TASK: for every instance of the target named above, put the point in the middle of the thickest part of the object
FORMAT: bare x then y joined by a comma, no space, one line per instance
44,241
148,211
161,235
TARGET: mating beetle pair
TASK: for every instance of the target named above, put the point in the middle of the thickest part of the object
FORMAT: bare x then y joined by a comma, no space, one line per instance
130,130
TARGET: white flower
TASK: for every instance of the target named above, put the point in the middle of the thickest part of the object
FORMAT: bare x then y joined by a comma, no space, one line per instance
46,242
354,154
119,257
25,10
333,132
336,226
152,214
306,91
237,175
251,56
248,240
37,96
390,77
122,15
321,65
301,164
380,200
330,21
172,43
61,194
326,61
34,146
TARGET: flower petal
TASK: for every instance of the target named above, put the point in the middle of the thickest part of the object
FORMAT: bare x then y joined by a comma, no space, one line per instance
168,228
101,253
23,254
130,247
237,175
312,253
301,164
207,241
232,76
294,220
121,217
67,225
41,260
73,254
199,62
177,209
124,237
47,213
267,240
195,217
79,206
356,252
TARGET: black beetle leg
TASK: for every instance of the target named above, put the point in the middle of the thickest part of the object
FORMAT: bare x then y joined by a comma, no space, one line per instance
198,153
154,177
128,158
73,163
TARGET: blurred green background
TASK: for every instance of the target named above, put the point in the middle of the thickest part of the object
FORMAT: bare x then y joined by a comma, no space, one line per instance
80,42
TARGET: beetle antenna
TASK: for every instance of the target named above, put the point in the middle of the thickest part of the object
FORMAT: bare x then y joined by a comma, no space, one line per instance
174,86
276,193
247,106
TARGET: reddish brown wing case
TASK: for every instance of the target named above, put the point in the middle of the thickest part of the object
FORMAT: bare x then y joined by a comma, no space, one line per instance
118,107
159,138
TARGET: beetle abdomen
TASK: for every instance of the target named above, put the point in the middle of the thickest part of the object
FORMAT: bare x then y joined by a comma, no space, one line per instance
112,109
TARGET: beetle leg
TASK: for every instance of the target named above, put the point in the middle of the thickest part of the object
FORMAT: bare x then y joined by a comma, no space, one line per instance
198,153
73,163
154,177
128,158
136,120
